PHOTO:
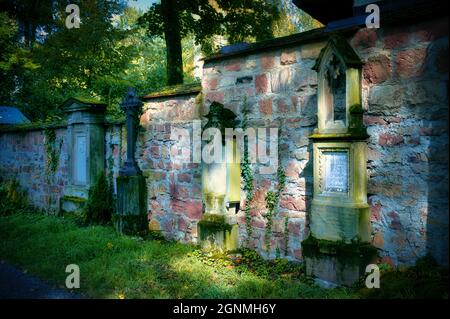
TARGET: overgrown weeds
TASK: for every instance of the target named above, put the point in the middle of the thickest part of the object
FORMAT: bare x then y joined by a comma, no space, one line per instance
100,205
13,199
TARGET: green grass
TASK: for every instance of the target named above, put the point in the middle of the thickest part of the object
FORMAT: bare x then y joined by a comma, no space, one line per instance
115,266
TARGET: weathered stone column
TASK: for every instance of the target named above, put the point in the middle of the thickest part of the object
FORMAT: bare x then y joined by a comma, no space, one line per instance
131,215
218,227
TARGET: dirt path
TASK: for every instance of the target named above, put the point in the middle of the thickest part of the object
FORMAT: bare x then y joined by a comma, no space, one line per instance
15,284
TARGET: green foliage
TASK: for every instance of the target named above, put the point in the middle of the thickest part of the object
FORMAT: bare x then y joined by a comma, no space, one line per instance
8,29
292,20
13,199
32,15
88,61
154,235
286,235
247,175
204,21
52,151
214,222
271,203
237,20
100,60
248,260
100,205
13,57
272,199
426,279
355,251
116,266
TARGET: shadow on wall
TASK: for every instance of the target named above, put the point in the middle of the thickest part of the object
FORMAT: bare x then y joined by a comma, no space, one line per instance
437,223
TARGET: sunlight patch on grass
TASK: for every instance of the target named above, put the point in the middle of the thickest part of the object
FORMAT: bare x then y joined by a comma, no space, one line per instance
117,266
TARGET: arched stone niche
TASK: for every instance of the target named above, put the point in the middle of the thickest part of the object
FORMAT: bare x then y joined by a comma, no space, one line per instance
218,227
339,86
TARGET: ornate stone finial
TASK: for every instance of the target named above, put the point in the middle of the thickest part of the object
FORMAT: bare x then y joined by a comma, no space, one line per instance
220,117
131,102
131,105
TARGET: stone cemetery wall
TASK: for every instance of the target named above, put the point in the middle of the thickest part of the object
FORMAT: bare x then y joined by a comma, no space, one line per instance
38,160
173,183
405,97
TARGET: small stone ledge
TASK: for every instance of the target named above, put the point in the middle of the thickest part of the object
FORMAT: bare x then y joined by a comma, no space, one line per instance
74,199
353,134
287,41
313,246
45,126
33,126
175,90
214,222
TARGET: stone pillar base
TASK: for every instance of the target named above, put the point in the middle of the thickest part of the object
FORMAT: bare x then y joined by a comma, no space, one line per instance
71,204
337,263
218,232
74,199
340,221
131,215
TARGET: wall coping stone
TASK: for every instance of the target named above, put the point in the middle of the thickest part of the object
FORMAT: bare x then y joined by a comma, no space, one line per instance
287,41
174,90
33,126
74,104
44,126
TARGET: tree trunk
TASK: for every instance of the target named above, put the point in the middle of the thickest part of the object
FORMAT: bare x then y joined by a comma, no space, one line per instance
173,42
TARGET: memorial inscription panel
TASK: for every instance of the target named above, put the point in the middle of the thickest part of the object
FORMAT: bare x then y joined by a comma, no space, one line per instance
335,172
80,161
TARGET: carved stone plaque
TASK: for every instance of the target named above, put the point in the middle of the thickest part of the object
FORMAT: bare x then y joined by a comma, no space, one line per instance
335,172
80,161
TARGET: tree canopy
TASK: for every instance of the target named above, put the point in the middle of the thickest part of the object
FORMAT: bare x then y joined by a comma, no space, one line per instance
99,60
236,20
43,63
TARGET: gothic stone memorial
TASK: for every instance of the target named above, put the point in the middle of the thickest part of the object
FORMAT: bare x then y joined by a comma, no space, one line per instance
337,249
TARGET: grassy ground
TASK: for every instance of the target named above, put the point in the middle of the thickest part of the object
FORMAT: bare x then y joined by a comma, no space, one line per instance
115,266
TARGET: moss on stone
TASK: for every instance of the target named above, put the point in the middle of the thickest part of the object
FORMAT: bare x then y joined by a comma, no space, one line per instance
88,100
174,90
37,126
33,126
350,252
214,223
74,199
357,133
115,121
131,224
356,109
131,214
